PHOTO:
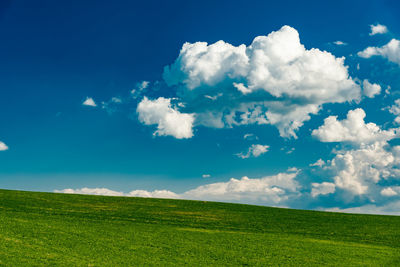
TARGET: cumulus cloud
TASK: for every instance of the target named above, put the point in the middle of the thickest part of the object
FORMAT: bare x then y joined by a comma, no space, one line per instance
378,29
390,51
3,146
168,119
371,89
359,170
89,102
254,151
322,189
275,80
390,191
353,129
270,190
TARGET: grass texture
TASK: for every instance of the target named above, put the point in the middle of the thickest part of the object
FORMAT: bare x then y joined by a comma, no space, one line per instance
47,229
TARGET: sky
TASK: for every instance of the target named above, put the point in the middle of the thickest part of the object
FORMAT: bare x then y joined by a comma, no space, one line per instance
279,103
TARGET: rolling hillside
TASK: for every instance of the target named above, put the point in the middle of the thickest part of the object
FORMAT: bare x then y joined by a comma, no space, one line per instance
70,230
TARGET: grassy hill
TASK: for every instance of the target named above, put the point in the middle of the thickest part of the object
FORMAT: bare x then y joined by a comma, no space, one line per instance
60,229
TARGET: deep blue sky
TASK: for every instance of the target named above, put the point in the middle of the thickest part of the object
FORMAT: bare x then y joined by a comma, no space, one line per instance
54,54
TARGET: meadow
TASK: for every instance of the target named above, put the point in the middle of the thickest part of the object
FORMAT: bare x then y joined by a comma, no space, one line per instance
82,230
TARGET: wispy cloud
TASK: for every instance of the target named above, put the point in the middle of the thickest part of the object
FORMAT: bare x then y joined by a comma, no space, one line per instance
254,151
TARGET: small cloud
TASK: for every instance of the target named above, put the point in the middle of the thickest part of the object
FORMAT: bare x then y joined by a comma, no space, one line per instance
387,90
139,88
243,89
206,176
111,105
3,147
169,120
254,151
390,51
318,163
324,188
143,85
250,136
371,89
89,102
388,192
213,98
339,43
292,169
378,29
116,100
290,151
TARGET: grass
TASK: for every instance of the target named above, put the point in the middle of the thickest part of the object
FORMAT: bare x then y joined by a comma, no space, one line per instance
78,230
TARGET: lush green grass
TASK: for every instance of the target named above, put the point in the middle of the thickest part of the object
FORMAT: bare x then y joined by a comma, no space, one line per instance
61,229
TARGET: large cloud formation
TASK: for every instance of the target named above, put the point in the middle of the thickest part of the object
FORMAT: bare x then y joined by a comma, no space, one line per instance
370,160
275,80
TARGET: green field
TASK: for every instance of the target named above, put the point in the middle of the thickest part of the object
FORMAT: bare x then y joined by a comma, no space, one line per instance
70,230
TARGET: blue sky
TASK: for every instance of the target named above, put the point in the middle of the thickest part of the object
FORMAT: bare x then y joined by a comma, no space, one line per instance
105,98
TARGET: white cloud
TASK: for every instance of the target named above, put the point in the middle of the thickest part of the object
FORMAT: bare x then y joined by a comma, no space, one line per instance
359,169
391,208
370,90
269,190
318,163
213,98
390,191
339,43
89,102
168,119
154,194
250,136
111,105
395,109
108,192
353,129
116,99
322,189
275,80
391,51
206,176
91,191
139,89
3,146
378,29
254,151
